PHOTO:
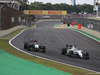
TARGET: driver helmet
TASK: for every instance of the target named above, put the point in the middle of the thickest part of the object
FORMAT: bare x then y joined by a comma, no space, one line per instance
35,40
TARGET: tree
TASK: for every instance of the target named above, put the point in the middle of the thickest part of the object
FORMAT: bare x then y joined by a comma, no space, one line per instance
63,6
33,17
24,6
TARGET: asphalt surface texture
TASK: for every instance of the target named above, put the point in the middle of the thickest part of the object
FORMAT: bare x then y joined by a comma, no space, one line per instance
56,39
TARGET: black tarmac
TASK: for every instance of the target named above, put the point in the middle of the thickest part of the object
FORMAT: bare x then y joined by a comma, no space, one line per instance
56,39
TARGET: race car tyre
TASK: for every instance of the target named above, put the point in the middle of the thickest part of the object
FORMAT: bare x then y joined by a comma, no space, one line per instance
86,56
25,45
28,48
70,53
78,56
85,53
64,51
36,49
44,49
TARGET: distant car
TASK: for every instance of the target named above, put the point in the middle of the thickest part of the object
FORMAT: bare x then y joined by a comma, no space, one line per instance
34,46
72,51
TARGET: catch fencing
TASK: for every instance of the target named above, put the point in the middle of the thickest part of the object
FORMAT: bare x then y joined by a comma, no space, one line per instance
88,23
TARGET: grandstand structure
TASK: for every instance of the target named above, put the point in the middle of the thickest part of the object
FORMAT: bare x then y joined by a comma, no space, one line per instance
97,8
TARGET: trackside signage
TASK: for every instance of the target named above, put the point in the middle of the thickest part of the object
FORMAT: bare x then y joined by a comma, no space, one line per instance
43,12
35,12
55,12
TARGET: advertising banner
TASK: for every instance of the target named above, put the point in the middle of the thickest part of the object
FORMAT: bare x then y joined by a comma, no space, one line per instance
43,12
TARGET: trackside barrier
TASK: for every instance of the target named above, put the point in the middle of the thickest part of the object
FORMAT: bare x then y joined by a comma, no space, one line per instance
79,26
73,23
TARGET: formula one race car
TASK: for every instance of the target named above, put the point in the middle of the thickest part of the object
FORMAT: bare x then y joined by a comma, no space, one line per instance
34,46
72,51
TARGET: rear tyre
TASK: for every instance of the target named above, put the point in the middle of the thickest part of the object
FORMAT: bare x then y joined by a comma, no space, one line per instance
70,53
86,55
64,51
78,56
28,48
87,58
25,45
44,49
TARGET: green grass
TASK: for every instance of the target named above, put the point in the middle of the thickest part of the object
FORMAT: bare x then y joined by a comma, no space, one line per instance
6,47
11,35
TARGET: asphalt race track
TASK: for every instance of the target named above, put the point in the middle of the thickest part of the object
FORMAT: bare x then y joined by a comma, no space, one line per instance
56,39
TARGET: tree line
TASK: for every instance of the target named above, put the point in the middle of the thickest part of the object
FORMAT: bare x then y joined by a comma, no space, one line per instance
63,6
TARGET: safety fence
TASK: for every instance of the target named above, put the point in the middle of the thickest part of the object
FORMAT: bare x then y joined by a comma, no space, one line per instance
88,23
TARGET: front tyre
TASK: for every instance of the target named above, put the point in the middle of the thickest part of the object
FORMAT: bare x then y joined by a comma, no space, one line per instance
70,53
44,49
78,56
25,45
28,48
64,51
87,56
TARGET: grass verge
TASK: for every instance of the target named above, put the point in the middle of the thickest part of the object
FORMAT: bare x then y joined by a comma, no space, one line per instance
6,47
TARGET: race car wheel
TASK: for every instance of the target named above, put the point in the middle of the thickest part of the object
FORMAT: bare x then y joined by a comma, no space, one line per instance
86,55
44,49
28,48
63,51
78,56
70,53
25,45
87,58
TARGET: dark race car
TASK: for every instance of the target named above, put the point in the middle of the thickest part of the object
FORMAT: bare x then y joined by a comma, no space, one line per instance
72,51
34,46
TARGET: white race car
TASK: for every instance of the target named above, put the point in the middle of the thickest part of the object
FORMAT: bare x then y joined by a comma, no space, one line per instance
72,51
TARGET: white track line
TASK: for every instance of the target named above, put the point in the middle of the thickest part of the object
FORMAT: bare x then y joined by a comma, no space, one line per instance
45,58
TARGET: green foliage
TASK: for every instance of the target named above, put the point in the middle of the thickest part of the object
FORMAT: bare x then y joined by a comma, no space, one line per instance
33,17
24,6
63,6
